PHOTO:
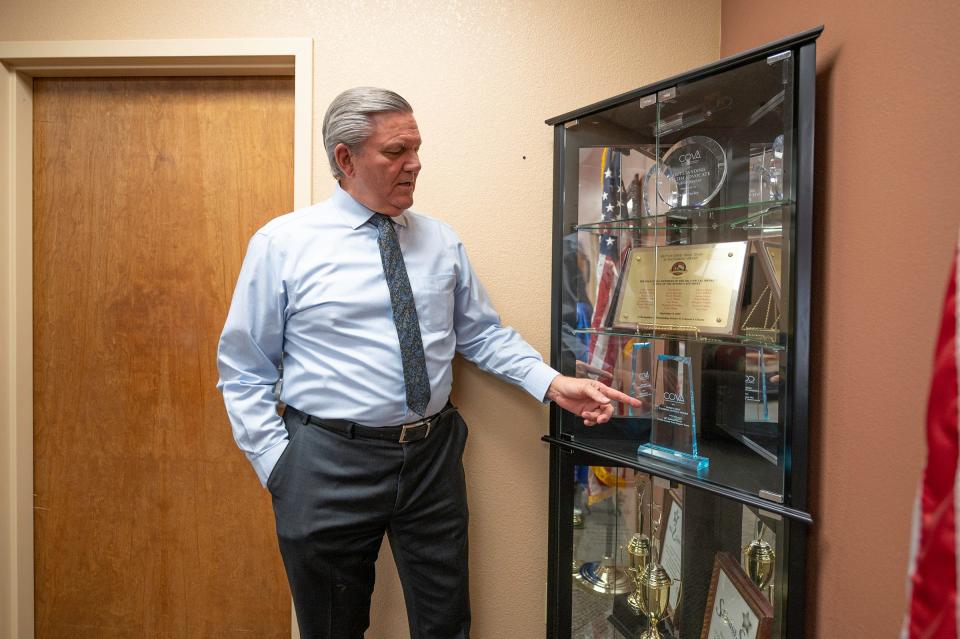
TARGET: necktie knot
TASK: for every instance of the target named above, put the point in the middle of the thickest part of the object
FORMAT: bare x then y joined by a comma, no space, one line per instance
380,220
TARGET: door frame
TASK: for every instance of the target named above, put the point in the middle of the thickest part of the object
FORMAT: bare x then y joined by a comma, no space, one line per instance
20,62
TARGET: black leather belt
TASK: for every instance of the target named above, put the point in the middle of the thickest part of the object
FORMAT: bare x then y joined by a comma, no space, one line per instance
414,431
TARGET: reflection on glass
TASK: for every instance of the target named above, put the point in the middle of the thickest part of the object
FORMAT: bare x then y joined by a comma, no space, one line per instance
641,378
756,406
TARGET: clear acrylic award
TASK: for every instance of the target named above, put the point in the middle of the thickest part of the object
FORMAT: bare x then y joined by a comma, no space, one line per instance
673,433
641,378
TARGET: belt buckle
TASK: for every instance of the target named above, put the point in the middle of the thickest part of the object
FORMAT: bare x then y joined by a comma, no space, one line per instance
403,430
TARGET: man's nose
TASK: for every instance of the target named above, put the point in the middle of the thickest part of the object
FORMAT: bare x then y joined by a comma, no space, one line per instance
412,163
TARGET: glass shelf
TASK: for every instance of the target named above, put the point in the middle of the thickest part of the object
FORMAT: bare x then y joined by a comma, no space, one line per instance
755,341
663,221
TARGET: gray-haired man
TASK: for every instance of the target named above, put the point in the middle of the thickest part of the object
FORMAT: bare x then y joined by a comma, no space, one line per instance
365,303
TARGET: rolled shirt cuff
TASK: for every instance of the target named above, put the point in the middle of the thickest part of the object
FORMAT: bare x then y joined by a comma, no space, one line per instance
265,461
538,381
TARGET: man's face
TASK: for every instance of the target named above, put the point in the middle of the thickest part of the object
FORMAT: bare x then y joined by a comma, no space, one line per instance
382,173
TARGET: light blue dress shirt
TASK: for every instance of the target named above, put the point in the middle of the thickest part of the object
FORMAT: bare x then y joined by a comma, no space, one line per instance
312,296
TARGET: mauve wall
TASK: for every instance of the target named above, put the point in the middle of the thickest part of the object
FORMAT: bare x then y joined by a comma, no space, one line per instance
886,216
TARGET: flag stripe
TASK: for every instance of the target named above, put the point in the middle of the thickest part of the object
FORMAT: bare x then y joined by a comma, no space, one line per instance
932,609
602,354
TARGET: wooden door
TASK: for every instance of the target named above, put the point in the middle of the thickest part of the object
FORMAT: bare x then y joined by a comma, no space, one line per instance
149,522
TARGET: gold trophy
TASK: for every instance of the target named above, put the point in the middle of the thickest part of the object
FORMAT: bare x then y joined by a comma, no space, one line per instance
639,551
653,585
605,576
639,546
651,595
577,533
759,560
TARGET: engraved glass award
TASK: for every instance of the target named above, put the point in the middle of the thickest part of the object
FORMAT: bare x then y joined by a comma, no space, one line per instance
653,181
766,171
693,171
673,433
756,406
641,378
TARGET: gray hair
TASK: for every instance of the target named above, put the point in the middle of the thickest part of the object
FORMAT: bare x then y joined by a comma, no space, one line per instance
347,120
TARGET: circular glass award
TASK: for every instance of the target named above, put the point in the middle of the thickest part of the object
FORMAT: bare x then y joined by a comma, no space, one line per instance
775,169
694,170
653,203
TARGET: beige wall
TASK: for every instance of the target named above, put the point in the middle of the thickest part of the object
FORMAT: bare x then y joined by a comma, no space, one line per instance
886,215
482,77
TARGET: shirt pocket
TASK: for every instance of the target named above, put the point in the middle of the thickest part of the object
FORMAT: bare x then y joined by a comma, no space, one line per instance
433,297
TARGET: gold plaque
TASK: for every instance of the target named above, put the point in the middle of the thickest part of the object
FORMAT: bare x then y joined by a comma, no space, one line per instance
692,288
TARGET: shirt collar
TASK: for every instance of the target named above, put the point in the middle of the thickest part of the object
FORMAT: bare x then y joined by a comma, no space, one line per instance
357,214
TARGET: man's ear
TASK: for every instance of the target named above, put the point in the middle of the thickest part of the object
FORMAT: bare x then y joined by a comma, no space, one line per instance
344,159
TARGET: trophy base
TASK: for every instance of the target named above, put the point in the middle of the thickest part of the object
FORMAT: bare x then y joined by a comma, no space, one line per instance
628,621
697,463
632,624
601,577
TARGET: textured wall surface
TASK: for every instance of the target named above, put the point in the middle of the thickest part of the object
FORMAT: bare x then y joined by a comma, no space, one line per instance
482,77
886,220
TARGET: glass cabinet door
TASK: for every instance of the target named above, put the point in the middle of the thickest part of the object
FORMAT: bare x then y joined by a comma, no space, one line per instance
678,220
650,553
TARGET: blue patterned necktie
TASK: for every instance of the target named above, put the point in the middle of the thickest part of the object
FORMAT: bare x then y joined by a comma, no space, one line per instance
404,316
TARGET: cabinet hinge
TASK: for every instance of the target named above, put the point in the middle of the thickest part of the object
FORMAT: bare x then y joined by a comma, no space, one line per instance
647,100
772,496
777,57
667,94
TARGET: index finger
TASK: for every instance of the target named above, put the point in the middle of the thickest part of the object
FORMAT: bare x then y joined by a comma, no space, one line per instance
617,396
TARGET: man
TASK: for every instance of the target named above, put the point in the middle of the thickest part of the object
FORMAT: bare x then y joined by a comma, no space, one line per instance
364,303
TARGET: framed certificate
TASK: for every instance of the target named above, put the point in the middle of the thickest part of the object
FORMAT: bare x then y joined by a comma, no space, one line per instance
671,545
736,609
695,288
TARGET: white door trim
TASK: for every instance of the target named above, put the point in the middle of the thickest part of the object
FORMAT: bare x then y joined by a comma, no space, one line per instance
20,62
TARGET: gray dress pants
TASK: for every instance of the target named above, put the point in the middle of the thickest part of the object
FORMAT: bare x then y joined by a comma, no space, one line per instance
334,497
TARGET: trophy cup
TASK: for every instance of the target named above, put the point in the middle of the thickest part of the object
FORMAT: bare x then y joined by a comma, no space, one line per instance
673,435
759,560
639,546
653,585
639,551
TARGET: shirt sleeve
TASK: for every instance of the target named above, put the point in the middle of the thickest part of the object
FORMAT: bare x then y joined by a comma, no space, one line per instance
249,356
484,341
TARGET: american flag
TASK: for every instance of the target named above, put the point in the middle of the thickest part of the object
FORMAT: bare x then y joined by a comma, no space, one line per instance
935,548
603,354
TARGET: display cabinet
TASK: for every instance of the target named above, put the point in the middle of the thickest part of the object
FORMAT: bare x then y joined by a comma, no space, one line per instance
682,248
